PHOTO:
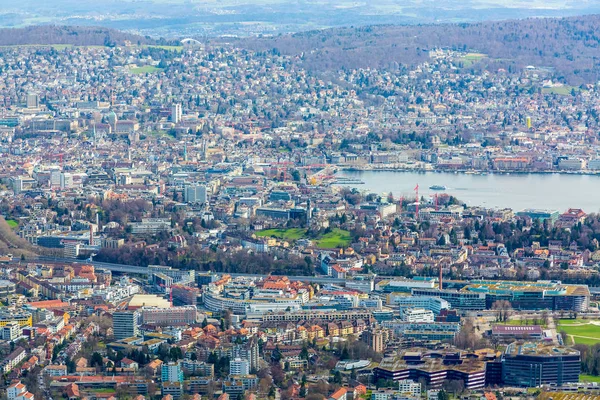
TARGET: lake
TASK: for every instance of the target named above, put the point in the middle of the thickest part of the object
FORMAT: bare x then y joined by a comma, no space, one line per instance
516,191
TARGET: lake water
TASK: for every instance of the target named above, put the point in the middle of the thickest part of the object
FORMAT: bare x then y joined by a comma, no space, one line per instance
516,191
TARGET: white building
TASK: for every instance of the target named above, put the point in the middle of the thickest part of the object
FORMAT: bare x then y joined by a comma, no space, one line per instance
239,366
66,180
55,177
573,164
409,387
416,315
11,331
18,391
176,113
434,304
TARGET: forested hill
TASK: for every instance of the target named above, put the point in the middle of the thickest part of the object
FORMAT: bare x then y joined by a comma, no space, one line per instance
69,35
570,45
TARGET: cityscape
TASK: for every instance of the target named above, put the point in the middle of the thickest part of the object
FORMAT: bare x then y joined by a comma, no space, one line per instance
187,217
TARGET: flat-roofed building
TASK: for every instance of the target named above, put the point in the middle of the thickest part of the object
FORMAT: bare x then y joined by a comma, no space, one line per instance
534,364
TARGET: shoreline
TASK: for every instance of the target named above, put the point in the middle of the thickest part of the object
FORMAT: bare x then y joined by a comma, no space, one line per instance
467,171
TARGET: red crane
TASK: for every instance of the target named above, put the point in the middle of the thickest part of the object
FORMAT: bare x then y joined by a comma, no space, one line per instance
417,203
60,157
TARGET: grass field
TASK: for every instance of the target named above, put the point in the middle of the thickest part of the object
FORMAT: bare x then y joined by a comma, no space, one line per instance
580,331
589,378
169,48
12,223
335,239
561,90
147,69
525,322
471,58
285,234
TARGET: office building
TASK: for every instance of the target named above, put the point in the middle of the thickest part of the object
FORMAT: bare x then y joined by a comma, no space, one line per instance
534,364
184,295
169,316
126,324
433,368
435,304
33,100
416,315
195,194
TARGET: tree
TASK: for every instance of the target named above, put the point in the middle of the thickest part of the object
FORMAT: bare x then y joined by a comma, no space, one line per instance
345,354
304,353
442,395
96,360
503,309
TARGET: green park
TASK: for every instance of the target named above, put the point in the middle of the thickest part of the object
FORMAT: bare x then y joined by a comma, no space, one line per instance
333,239
580,331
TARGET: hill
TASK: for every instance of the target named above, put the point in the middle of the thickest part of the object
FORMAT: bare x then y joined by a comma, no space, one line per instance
69,35
568,45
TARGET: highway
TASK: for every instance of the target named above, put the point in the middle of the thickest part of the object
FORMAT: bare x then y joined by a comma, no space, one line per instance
132,269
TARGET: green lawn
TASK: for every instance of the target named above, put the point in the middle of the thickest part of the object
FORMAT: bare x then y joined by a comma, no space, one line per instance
335,239
147,69
12,223
103,390
285,234
570,321
586,341
169,48
589,378
585,333
525,322
561,90
471,58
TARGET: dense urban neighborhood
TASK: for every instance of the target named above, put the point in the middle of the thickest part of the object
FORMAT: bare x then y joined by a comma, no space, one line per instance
175,223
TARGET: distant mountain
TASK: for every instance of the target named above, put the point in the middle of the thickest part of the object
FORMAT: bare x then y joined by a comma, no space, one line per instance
571,46
69,35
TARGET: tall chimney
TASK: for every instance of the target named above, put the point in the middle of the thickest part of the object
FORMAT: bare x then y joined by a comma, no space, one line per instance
441,277
91,235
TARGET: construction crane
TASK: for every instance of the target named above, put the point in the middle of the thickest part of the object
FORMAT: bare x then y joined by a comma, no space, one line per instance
417,202
60,157
285,165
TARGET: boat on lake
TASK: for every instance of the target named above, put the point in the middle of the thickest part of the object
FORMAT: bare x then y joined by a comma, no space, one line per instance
438,187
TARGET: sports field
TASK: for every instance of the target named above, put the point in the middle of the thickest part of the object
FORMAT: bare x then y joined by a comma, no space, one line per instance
12,223
147,69
580,331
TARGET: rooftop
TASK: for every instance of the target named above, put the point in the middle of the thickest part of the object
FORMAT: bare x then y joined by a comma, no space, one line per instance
538,349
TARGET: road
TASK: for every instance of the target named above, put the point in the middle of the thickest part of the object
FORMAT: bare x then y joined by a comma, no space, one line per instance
132,269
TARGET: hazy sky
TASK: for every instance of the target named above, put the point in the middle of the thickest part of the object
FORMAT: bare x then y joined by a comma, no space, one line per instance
225,17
